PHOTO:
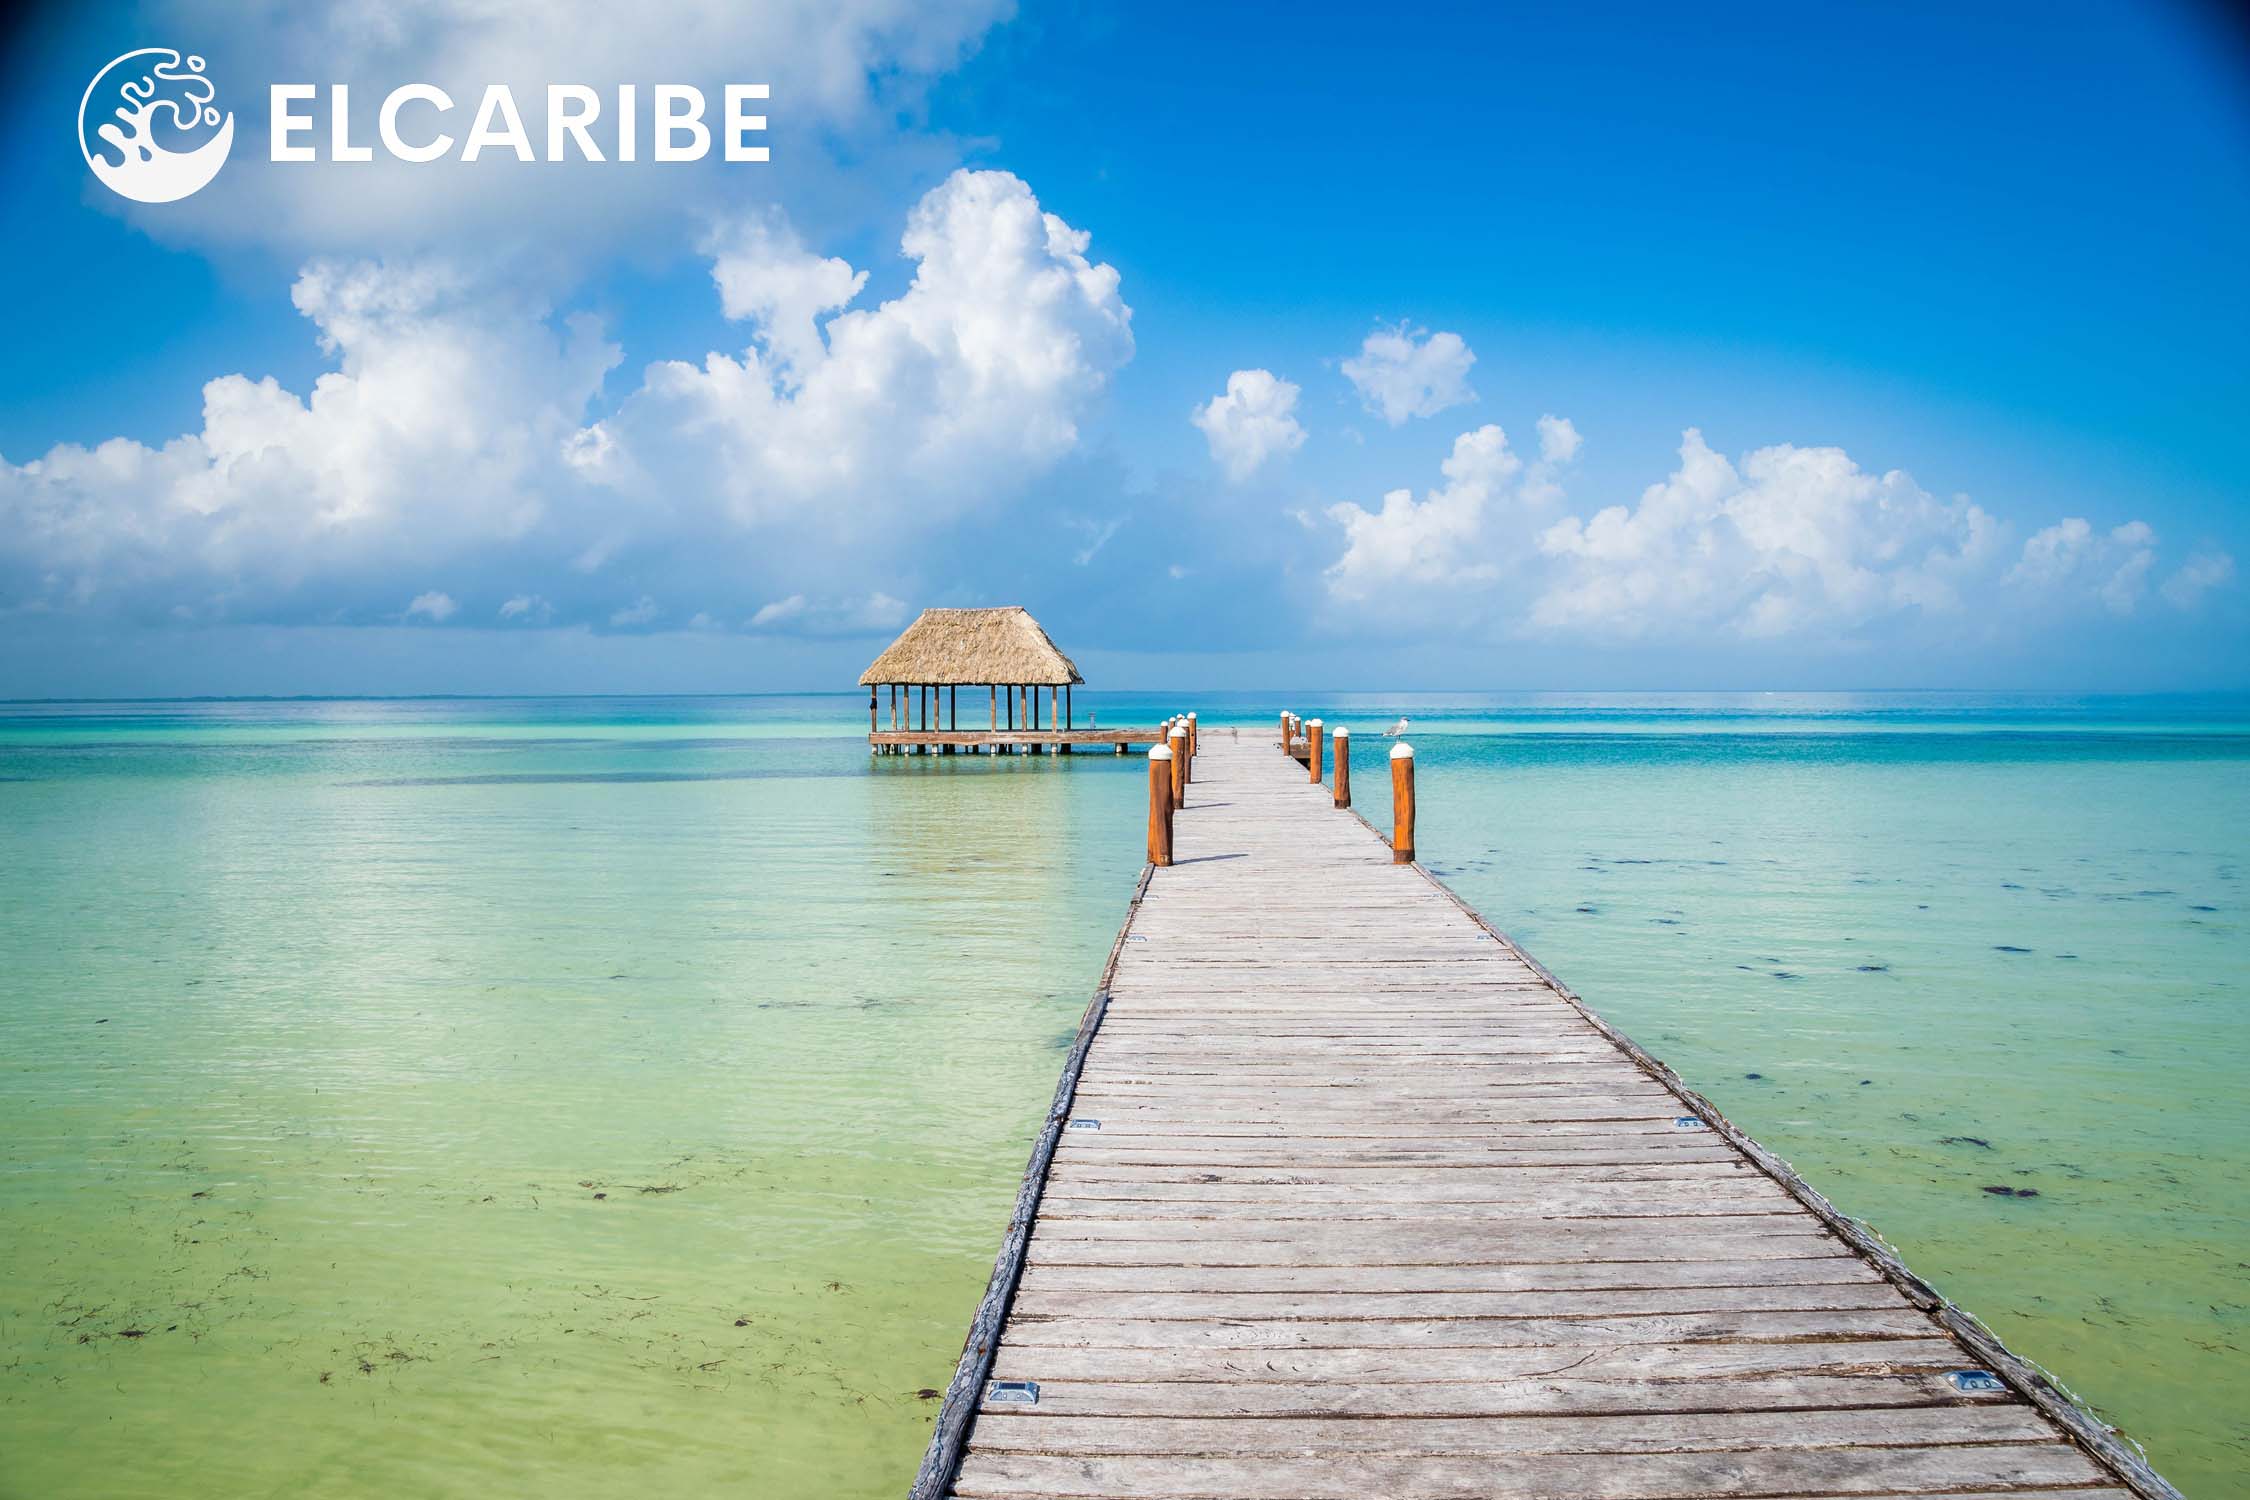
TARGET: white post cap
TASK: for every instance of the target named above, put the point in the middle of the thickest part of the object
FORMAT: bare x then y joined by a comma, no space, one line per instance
1402,751
1312,723
1343,731
1178,729
1191,713
1158,752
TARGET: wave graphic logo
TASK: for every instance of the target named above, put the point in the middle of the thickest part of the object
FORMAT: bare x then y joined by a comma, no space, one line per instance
155,136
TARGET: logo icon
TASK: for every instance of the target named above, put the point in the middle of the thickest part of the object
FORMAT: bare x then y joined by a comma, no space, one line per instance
155,137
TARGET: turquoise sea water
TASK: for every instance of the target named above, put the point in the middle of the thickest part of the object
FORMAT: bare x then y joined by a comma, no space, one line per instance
604,1097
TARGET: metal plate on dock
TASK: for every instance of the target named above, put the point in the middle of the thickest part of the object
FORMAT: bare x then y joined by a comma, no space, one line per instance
1689,1122
1012,1393
1974,1382
1084,1125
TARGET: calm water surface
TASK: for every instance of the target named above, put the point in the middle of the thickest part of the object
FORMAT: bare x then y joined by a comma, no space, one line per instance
613,1097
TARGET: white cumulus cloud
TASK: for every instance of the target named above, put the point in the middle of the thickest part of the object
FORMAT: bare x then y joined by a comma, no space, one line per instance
1253,420
2070,558
1402,373
2201,573
434,437
432,606
1796,537
913,410
452,437
1558,439
1434,540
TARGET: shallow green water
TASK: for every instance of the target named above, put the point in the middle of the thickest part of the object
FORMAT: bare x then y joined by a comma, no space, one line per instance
603,1097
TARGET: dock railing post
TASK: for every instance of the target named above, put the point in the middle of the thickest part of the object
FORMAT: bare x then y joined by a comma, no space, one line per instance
1315,766
1195,737
1176,737
1402,803
1159,805
1343,765
1187,750
1285,731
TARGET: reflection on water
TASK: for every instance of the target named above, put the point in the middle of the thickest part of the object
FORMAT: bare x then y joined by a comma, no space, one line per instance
540,1130
614,1097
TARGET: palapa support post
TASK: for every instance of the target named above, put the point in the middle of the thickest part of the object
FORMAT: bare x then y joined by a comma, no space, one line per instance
1343,743
1176,739
1315,767
1402,803
1159,805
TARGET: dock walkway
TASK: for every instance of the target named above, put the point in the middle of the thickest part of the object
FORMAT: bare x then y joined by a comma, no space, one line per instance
1343,1197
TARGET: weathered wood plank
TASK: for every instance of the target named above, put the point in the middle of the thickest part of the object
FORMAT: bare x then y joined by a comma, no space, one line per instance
1463,1333
1034,1302
1547,1395
1575,1476
1618,1361
1474,1436
1827,1265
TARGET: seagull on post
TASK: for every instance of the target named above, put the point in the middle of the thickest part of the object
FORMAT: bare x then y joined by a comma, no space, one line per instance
1397,729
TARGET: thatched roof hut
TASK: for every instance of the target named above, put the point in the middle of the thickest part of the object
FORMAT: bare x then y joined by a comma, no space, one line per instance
949,649
965,647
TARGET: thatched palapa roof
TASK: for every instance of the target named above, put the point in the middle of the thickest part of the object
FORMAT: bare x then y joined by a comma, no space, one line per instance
956,647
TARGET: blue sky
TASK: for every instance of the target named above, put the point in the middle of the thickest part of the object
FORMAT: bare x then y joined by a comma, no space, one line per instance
1479,347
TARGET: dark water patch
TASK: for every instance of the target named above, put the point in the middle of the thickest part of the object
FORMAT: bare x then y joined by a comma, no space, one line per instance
1998,1191
1964,1140
2071,956
2010,885
1755,1077
1786,974
1586,910
601,778
1665,921
1874,968
2192,908
2008,948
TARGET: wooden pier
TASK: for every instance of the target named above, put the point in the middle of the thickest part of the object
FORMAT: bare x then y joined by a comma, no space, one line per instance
1342,1196
1010,741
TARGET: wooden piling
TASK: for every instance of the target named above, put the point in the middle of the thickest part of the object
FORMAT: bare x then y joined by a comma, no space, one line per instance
1195,740
1402,803
1313,764
1176,739
1343,765
1159,806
